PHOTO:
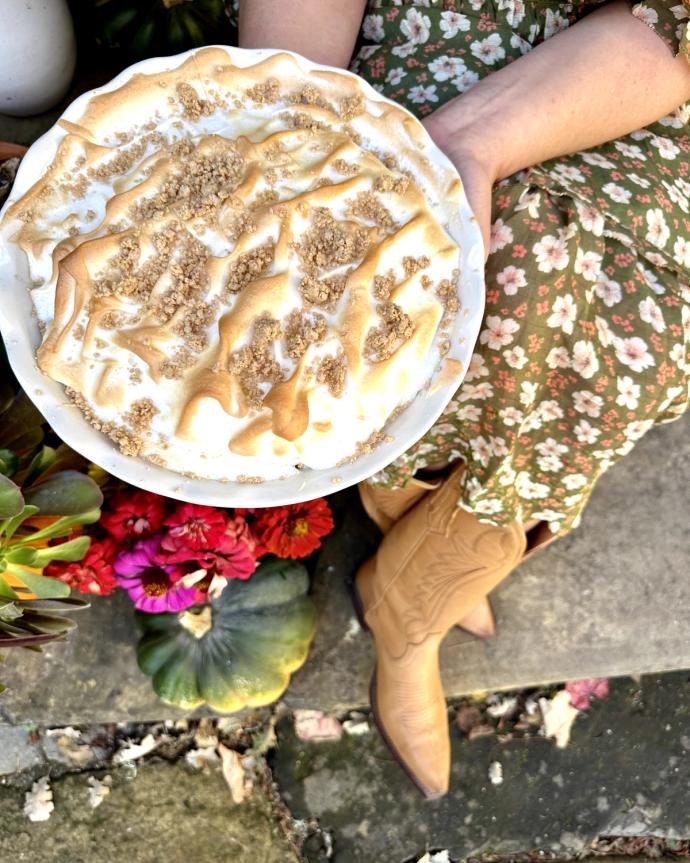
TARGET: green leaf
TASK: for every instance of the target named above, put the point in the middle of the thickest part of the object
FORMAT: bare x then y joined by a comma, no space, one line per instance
61,527
66,493
12,524
22,424
21,556
9,611
44,588
6,592
8,462
11,500
75,549
43,459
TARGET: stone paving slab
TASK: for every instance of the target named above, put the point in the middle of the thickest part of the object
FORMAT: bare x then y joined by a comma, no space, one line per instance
160,812
626,772
607,600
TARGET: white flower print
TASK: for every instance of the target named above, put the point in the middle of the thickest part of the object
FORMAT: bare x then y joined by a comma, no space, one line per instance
584,360
592,220
484,390
510,415
511,278
658,231
608,290
465,81
469,413
481,450
585,432
378,87
551,253
573,481
680,13
501,235
421,94
488,506
558,358
506,474
550,446
677,355
633,352
452,23
499,332
676,196
628,393
641,181
477,368
515,11
372,28
588,403
395,76
446,67
572,500
644,13
529,200
528,489
617,193
563,313
681,252
550,410
488,50
549,463
630,151
416,27
667,149
570,172
597,160
635,430
588,265
528,394
516,357
404,50
651,314
498,447
531,422
554,23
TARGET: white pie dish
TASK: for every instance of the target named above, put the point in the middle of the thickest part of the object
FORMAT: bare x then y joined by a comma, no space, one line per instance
21,334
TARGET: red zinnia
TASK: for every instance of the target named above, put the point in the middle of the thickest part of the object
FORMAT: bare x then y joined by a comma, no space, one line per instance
193,527
93,574
134,515
233,555
294,531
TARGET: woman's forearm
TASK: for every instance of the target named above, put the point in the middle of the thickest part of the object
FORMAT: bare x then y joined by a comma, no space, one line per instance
604,77
325,31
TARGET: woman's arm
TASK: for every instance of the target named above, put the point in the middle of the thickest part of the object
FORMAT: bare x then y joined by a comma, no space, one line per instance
325,31
602,78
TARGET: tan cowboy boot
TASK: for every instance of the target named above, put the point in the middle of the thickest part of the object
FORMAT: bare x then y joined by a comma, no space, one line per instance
386,506
434,565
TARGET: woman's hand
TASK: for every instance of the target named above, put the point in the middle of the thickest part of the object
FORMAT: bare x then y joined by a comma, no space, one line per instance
476,169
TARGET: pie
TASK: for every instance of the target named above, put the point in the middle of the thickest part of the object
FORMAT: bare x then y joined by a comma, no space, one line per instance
241,271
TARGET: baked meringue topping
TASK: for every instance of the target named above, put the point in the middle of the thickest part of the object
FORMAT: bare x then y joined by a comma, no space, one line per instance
241,272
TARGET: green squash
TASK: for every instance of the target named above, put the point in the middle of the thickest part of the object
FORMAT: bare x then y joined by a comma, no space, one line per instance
239,651
151,28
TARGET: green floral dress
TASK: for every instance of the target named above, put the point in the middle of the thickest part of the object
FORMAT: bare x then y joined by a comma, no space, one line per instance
585,343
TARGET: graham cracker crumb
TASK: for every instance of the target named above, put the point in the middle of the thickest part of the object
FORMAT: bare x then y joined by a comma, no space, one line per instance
323,293
383,285
301,331
351,106
332,371
265,93
174,367
248,267
129,443
343,167
413,265
329,243
300,120
193,107
140,415
252,480
135,375
391,183
396,328
367,206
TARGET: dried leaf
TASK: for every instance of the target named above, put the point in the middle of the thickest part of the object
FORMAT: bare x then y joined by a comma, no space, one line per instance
131,751
98,790
38,803
205,759
315,725
504,707
559,715
233,771
205,736
468,718
496,773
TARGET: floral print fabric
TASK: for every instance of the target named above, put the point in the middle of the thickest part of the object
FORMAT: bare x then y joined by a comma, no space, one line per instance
585,343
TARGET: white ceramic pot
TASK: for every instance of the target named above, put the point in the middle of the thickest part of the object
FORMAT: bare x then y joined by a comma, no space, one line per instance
37,55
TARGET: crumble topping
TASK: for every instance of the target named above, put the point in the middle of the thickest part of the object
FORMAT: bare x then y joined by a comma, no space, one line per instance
383,341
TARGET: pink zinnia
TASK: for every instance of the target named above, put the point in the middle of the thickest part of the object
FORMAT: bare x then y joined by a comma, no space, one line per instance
152,587
193,526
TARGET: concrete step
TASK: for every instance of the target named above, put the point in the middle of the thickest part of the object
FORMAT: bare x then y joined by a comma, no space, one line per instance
608,600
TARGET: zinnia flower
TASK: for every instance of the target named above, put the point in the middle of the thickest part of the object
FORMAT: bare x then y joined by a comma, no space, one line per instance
294,531
134,515
152,587
581,691
92,574
193,527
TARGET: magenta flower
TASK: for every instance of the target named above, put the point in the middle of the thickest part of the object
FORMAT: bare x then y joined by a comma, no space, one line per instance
581,691
152,588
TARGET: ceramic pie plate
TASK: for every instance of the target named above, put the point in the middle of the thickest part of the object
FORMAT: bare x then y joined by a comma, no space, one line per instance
21,336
